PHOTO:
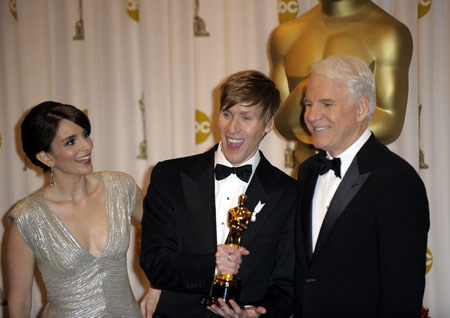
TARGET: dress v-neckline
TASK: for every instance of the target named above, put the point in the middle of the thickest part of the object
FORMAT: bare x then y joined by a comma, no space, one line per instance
64,228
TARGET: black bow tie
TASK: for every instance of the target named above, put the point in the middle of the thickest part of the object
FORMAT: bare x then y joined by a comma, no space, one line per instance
243,172
326,164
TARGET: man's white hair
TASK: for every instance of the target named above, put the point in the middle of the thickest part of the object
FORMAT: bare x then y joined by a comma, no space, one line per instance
354,72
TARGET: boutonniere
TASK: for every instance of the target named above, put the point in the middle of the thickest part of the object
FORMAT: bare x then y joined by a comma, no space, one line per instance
258,209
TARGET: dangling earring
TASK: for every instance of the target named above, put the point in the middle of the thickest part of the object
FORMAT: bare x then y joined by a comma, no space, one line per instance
52,178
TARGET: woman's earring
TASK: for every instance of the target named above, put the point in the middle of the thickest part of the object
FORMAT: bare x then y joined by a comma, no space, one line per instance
52,177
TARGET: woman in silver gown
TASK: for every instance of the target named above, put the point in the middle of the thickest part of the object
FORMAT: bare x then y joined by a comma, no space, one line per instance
76,228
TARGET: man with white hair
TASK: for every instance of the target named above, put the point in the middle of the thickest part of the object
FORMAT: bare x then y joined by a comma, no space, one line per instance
361,230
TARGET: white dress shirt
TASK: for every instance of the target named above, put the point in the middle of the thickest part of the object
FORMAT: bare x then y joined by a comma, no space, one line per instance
227,192
328,183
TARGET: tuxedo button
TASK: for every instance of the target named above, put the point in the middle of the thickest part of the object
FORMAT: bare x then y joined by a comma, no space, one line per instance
310,280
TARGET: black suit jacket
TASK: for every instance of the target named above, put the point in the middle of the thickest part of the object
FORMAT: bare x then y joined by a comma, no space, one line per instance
179,237
370,255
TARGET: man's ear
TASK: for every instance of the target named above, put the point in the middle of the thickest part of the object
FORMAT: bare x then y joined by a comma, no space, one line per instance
363,109
45,158
269,125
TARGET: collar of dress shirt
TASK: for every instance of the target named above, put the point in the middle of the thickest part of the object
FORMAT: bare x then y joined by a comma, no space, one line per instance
220,158
350,153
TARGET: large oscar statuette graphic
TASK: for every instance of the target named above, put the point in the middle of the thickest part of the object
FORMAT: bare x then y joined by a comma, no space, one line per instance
226,286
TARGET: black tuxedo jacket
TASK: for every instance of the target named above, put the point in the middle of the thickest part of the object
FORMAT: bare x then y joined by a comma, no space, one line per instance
179,237
370,255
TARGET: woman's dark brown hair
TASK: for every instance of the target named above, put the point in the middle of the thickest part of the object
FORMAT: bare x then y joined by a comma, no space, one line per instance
41,124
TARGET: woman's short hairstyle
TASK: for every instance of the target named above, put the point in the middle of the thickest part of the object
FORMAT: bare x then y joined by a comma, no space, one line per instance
40,126
354,72
250,88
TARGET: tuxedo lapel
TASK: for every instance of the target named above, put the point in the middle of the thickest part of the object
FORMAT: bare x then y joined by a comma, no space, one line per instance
255,193
306,205
348,188
260,191
198,188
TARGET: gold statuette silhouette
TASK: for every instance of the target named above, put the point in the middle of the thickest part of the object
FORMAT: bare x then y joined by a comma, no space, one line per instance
341,27
226,285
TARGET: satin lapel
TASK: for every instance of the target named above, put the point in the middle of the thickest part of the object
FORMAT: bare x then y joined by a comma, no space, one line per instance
198,191
306,208
259,190
350,185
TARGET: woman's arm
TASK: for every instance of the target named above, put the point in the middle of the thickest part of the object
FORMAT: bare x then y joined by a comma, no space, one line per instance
138,208
150,300
20,267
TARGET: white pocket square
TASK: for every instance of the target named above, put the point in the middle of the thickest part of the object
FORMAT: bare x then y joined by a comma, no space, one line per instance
258,209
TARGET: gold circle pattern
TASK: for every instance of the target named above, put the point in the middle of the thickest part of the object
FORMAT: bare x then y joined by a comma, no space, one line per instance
429,261
424,7
287,10
202,127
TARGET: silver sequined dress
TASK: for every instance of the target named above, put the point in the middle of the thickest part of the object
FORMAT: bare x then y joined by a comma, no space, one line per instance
79,284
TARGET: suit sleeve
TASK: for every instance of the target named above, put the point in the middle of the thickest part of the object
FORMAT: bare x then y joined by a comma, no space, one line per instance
403,223
279,301
164,265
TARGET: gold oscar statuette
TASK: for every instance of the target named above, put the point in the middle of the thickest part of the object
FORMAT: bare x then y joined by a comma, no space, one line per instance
225,285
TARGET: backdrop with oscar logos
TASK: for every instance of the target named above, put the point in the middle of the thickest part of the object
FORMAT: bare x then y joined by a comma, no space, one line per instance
147,74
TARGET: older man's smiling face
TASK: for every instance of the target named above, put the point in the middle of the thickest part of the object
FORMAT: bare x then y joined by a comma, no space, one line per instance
333,118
